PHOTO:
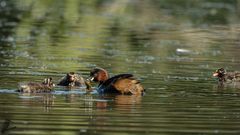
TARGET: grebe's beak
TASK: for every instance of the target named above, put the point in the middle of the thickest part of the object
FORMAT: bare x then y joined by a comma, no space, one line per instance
215,74
90,79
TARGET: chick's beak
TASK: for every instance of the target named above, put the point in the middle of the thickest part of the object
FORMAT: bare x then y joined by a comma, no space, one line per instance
215,74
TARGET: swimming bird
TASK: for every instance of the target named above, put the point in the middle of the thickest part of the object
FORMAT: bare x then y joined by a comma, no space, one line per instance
72,79
224,76
119,84
36,87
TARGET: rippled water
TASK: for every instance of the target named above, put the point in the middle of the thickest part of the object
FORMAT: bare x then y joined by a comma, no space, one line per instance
172,47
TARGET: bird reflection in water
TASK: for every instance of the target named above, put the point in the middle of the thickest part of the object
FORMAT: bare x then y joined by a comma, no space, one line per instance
38,99
106,105
124,101
7,126
111,102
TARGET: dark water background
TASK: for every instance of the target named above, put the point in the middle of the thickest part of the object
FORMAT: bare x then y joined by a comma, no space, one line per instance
172,46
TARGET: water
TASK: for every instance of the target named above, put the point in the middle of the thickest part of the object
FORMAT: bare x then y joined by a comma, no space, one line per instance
171,46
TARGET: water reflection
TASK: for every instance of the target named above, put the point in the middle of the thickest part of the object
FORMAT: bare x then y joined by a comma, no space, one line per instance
119,101
6,126
100,120
224,87
42,100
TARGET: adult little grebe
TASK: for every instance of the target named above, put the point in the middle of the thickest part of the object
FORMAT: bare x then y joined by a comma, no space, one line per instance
35,87
224,76
122,83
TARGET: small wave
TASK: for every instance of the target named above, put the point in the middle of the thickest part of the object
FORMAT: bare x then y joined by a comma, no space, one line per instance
56,92
69,92
179,50
8,91
65,92
98,100
29,97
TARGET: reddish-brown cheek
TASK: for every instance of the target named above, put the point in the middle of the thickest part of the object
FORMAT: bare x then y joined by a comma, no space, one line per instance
103,77
98,78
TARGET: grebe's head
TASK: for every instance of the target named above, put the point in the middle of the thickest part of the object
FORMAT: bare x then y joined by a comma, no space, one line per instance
98,75
219,73
71,77
48,81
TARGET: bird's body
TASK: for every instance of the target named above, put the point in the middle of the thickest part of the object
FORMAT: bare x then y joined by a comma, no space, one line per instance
74,80
225,77
35,87
121,84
